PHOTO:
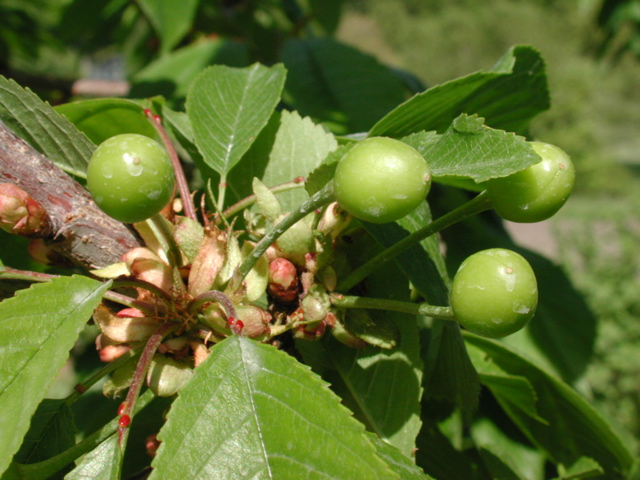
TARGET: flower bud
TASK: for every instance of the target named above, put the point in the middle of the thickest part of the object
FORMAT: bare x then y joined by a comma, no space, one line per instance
166,376
200,352
334,221
212,316
147,266
256,321
208,261
283,280
108,350
296,242
128,325
20,213
316,304
189,235
152,444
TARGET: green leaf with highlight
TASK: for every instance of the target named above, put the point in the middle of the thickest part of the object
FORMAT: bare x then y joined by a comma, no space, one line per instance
38,327
252,411
45,130
228,108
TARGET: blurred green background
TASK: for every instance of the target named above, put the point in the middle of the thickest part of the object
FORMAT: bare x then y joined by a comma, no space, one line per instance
592,50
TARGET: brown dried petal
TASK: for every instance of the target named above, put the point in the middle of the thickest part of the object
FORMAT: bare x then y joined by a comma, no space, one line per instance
124,329
208,261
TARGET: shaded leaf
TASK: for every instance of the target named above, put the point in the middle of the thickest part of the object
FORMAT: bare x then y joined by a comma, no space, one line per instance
103,118
399,463
38,327
449,373
573,429
170,19
299,147
228,108
338,84
508,96
102,463
584,467
471,149
503,455
52,431
45,130
172,74
252,411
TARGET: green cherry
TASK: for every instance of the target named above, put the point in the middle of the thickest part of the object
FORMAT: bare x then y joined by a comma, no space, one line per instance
381,180
130,177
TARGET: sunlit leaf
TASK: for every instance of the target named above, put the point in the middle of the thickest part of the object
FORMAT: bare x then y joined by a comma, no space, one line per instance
38,327
508,96
44,129
228,108
251,411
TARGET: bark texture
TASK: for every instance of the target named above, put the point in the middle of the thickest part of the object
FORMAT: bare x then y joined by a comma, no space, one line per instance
80,230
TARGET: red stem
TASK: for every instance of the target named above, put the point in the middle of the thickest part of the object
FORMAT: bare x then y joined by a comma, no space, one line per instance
181,179
149,351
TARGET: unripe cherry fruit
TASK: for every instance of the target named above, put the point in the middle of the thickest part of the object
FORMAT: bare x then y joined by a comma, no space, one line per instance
537,192
494,293
381,180
130,177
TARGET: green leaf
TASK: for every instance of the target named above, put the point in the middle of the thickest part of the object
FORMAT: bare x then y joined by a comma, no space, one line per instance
471,149
170,19
300,146
505,456
508,96
103,463
573,428
381,386
448,372
326,13
399,463
552,337
172,74
349,99
38,327
254,162
252,411
52,431
46,131
228,108
103,118
584,467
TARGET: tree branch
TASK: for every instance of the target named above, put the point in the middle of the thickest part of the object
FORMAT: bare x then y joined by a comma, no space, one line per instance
81,231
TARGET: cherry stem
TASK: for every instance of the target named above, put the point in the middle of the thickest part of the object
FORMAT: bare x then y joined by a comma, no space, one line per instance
181,179
478,204
214,296
150,287
319,199
141,370
29,276
350,301
251,199
82,387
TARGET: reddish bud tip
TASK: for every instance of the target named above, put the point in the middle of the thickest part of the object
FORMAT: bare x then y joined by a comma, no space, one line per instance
235,325
299,180
125,421
122,407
